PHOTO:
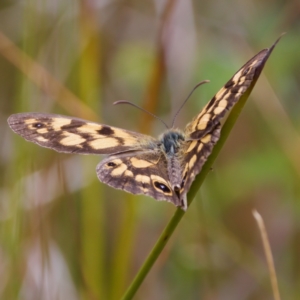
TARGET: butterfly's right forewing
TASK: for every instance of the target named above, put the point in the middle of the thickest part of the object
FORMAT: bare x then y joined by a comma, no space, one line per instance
73,135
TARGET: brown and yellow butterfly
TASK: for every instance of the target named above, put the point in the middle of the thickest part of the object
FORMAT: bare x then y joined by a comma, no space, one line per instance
162,168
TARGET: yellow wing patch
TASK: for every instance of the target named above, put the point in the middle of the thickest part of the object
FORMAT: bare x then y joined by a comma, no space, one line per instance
99,144
140,163
71,139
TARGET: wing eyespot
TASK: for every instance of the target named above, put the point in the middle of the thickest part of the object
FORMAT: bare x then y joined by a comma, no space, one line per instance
38,125
162,187
111,164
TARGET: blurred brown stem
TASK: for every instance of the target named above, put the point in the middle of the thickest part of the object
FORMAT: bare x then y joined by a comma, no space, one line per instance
268,253
44,80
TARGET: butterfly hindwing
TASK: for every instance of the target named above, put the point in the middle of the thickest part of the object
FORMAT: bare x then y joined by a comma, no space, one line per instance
138,173
72,135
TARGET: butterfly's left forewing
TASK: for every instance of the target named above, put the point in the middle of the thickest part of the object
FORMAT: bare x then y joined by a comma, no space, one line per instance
240,83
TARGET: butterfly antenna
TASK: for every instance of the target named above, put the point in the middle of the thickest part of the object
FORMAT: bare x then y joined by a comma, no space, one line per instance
190,94
144,110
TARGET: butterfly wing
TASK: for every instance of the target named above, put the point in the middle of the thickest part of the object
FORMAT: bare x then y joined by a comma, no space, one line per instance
241,82
142,172
204,130
72,135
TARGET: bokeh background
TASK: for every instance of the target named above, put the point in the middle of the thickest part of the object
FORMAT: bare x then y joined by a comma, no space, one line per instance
64,235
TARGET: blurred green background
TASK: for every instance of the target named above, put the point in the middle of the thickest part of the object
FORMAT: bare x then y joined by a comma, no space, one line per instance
63,234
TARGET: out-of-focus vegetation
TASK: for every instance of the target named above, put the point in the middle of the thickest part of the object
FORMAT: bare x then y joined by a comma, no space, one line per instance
63,234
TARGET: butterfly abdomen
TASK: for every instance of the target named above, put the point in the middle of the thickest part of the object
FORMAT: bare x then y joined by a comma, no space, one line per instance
171,143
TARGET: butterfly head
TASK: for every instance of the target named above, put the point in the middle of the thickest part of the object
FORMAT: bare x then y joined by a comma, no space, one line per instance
171,141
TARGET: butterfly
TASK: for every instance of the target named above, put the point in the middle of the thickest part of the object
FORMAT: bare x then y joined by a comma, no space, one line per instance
164,167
